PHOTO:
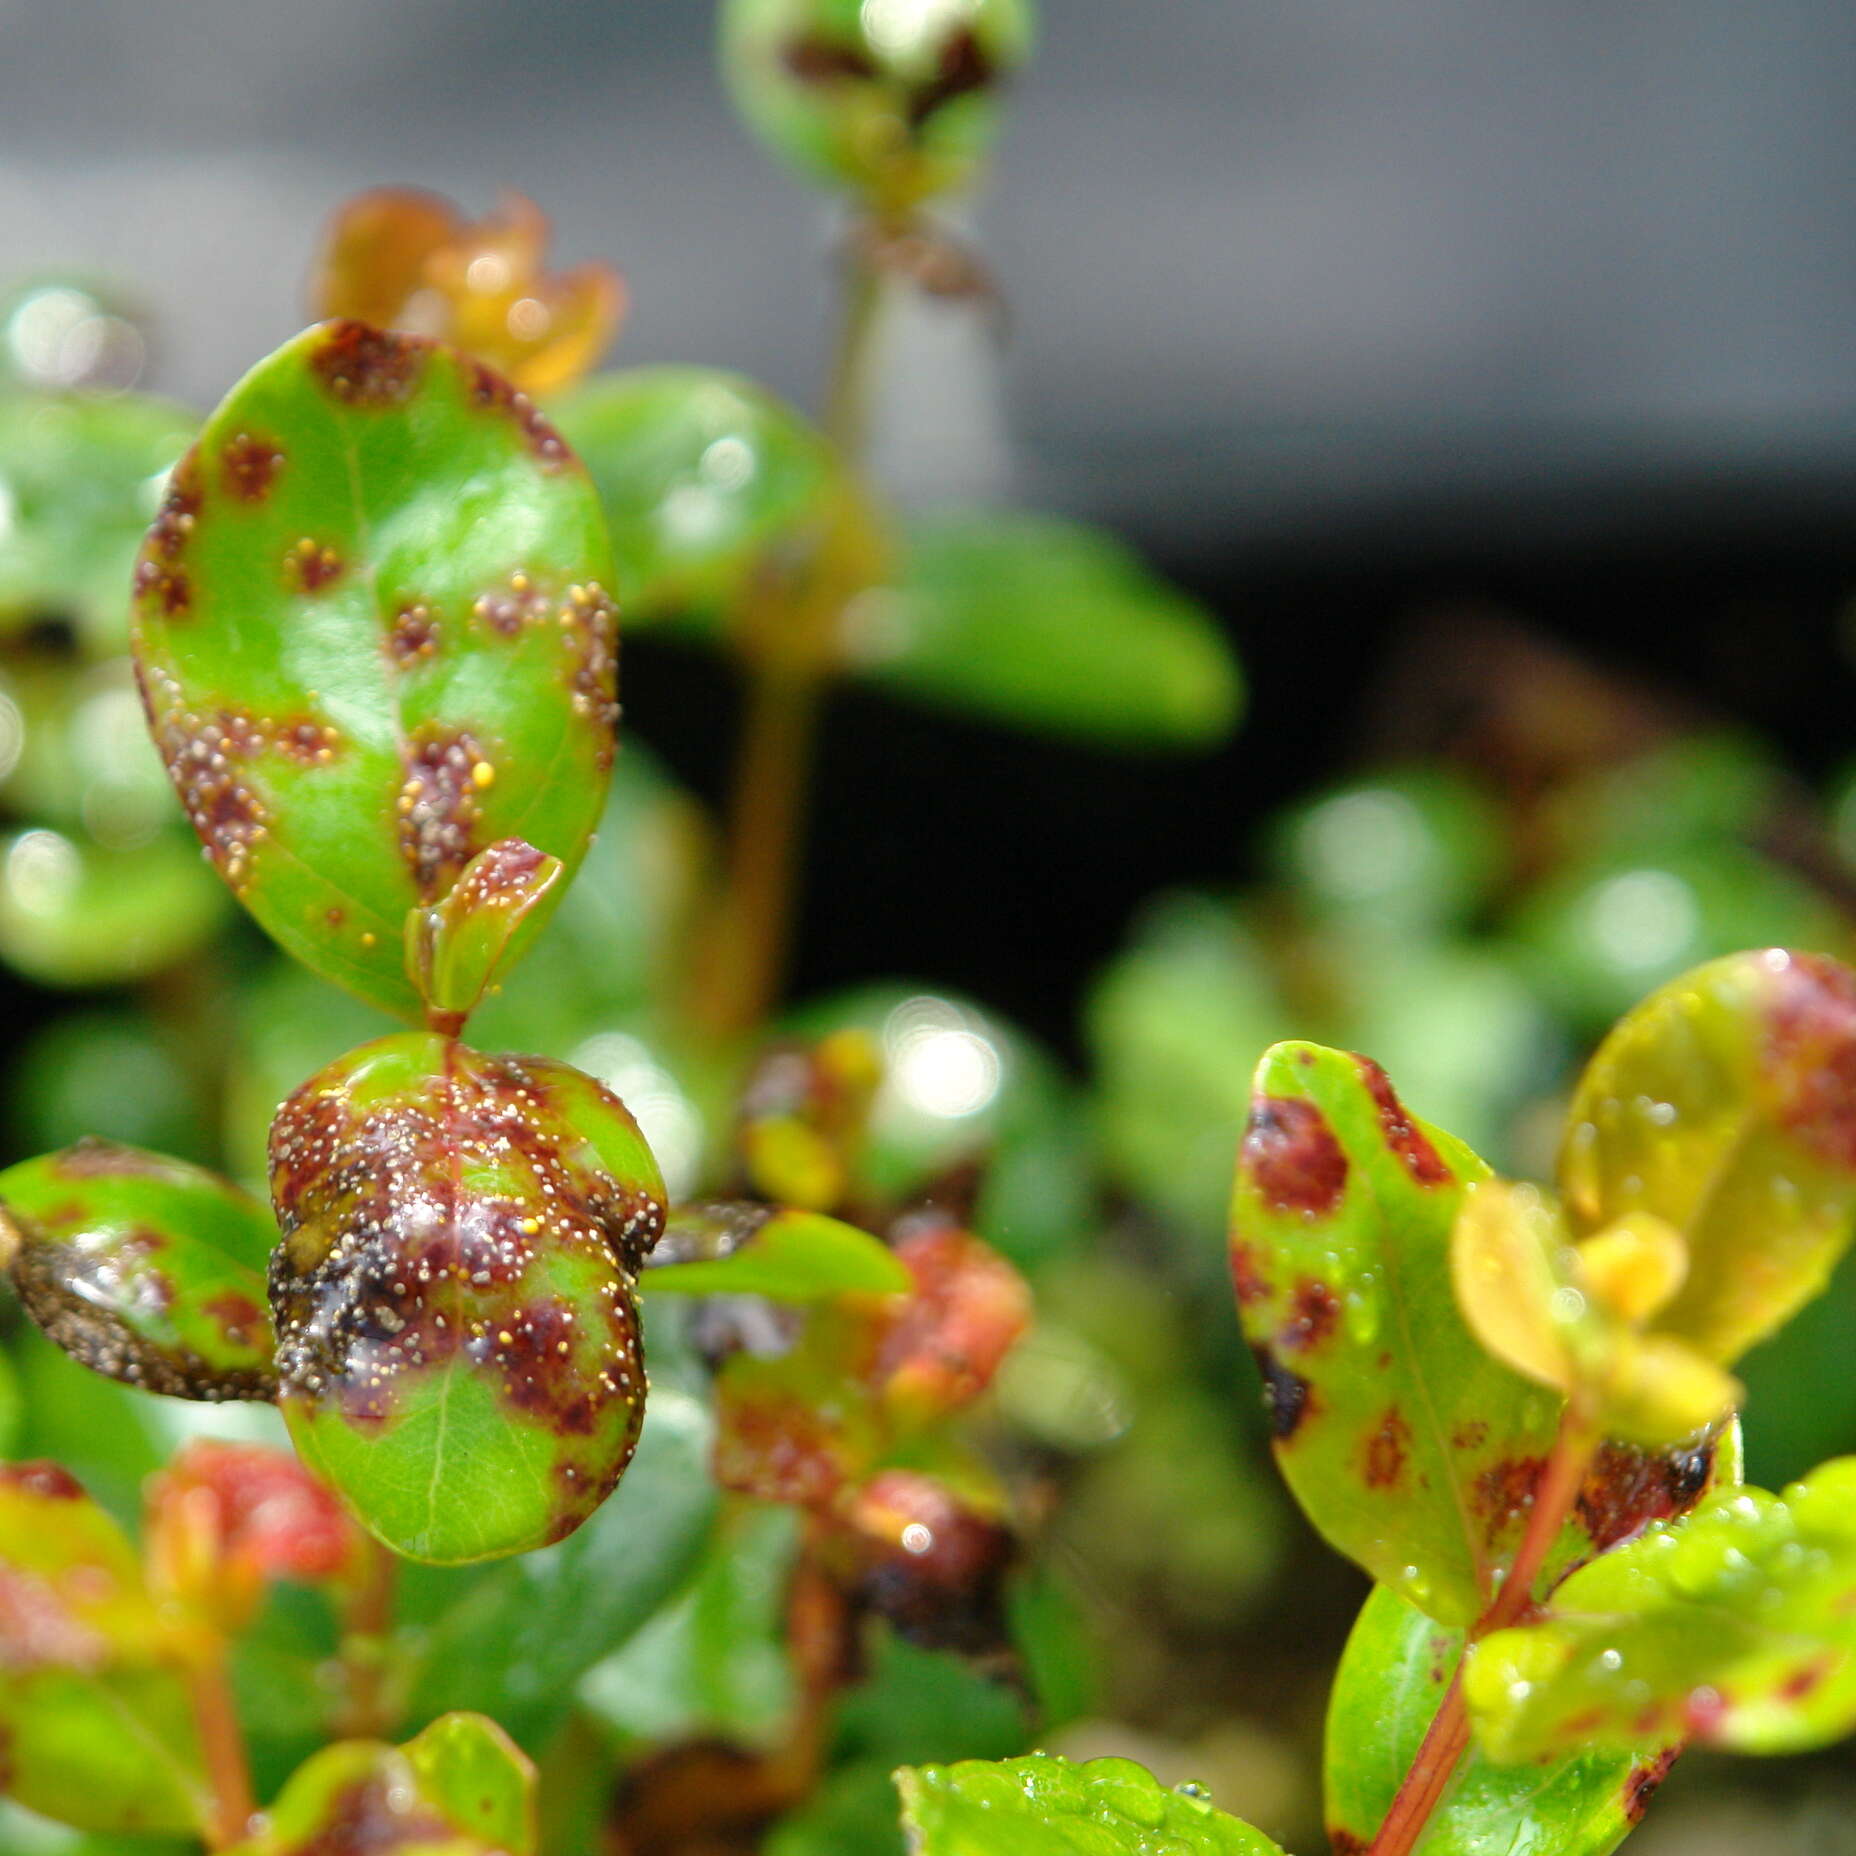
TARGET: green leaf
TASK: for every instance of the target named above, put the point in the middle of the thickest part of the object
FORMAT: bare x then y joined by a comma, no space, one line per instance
145,1269
460,1789
789,1256
1736,1625
1040,1806
96,1721
1050,626
80,479
520,1637
712,1663
373,639
75,913
897,112
458,1341
487,918
702,473
1397,1433
1391,1682
1725,1105
471,1769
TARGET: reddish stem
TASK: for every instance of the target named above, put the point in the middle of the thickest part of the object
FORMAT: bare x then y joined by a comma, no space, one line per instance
1447,1739
222,1743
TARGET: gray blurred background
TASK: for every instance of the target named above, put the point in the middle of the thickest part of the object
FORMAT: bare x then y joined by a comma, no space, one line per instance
1278,270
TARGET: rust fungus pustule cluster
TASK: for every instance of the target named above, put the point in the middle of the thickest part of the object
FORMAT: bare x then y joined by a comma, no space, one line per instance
446,1213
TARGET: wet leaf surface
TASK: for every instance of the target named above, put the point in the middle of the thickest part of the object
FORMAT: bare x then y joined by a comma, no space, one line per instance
146,1269
1391,1682
373,639
1040,1806
458,1339
1411,1449
1733,1625
1725,1105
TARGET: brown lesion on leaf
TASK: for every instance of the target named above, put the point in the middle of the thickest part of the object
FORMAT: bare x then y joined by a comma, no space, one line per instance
1628,1487
1403,1135
1288,1398
367,367
1292,1156
160,578
437,808
1382,1461
208,759
1248,1281
512,608
963,68
309,742
376,1817
413,637
249,464
1810,1055
311,566
490,392
95,1158
1314,1311
50,1480
1643,1782
88,1303
1470,1436
390,1267
1345,1843
589,623
1505,1491
813,58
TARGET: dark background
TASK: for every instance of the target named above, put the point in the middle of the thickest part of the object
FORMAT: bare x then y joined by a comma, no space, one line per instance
1349,312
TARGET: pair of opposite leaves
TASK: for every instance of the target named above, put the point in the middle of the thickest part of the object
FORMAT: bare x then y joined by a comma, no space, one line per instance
378,661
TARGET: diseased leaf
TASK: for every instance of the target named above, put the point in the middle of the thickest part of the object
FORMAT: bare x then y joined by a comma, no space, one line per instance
458,1342
520,1636
94,1716
373,639
455,949
80,477
1725,1105
702,473
787,1256
1046,625
896,114
477,1776
1736,1625
460,1789
146,1269
1391,1682
1041,1806
1413,1450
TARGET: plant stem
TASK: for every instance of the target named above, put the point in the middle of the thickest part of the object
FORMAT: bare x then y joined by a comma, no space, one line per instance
222,1742
367,1622
1447,1739
740,980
